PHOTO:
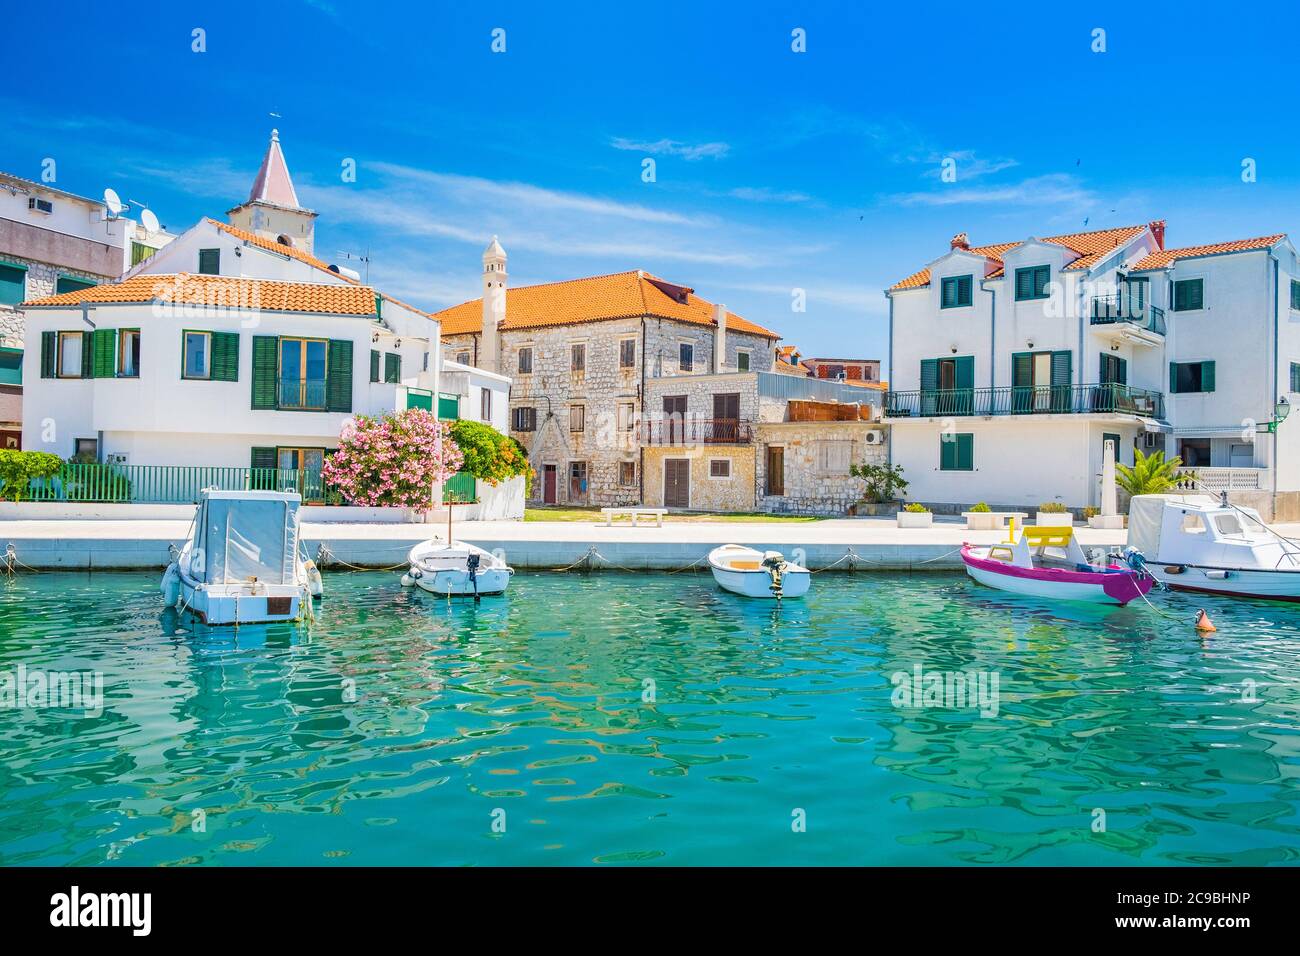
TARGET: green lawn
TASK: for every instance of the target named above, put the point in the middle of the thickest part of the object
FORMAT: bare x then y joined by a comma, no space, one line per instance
568,513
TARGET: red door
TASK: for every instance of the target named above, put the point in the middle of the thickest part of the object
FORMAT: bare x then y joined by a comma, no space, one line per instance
548,484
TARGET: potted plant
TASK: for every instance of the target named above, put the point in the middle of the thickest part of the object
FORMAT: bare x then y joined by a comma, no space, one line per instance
981,518
915,515
883,485
1053,514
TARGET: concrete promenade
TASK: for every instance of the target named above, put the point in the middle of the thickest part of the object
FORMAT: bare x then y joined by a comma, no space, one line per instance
877,543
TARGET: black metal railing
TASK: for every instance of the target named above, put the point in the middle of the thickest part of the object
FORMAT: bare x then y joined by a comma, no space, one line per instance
1125,307
684,430
1106,397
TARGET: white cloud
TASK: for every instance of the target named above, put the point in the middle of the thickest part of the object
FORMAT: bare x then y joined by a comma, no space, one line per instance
768,194
671,147
1057,189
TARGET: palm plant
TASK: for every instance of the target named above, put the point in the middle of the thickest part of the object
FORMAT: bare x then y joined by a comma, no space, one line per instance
1150,474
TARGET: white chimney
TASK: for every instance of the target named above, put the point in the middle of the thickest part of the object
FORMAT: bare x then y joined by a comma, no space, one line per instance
494,305
720,338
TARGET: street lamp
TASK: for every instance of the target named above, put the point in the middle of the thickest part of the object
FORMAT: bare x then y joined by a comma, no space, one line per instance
1280,411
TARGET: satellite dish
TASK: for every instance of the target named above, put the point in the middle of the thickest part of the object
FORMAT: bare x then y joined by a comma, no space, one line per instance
149,221
114,204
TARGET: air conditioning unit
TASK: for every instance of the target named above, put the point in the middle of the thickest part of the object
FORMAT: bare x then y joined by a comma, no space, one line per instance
40,205
875,437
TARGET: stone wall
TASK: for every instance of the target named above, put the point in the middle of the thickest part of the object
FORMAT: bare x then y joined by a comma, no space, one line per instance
42,280
732,493
664,337
817,456
699,391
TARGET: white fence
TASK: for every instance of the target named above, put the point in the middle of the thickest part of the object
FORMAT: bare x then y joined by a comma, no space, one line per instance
1228,479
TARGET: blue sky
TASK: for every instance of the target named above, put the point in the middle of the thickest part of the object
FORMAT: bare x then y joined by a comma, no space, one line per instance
775,170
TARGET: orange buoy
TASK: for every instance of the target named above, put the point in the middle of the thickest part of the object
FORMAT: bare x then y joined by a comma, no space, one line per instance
1203,621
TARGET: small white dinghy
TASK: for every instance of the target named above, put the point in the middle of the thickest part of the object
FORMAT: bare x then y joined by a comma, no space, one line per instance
241,564
758,574
457,569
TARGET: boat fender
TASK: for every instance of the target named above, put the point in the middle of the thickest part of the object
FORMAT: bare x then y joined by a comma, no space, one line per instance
1203,623
407,580
1174,569
314,586
171,585
1218,575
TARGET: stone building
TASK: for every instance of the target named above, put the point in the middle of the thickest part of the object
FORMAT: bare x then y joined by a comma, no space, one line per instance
758,441
580,353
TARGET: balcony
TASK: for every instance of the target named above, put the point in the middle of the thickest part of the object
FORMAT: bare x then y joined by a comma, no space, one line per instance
696,431
1124,313
1105,398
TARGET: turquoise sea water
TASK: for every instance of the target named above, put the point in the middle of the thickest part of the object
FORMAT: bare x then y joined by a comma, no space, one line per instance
401,729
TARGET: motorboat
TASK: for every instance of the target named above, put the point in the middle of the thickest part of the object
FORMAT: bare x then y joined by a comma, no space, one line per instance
1203,543
1047,562
456,569
758,574
242,563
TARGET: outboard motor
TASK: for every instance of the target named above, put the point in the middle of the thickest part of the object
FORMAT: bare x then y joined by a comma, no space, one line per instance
471,565
774,561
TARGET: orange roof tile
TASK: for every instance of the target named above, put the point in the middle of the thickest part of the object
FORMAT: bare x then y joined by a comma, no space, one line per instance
1091,246
623,295
787,369
1161,259
224,292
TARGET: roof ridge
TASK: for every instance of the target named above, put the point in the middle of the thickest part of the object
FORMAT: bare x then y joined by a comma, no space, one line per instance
1227,242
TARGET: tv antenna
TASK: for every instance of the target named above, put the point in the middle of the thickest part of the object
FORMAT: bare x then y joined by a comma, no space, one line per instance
364,259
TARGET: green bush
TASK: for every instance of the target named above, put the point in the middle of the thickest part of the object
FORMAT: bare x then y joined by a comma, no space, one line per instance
19,468
916,508
884,482
1052,508
981,508
490,455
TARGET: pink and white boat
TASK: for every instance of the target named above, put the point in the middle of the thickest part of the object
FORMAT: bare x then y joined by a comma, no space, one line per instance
1049,563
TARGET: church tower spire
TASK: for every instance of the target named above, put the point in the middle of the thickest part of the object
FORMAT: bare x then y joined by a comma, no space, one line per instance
272,210
494,305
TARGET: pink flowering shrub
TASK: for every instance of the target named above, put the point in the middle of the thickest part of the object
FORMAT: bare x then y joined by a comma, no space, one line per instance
392,459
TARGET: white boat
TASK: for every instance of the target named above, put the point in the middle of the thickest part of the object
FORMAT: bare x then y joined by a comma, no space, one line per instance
1202,543
1046,562
241,564
758,574
457,569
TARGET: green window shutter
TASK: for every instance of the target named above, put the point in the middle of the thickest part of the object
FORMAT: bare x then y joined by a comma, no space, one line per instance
1295,376
210,262
1173,376
87,355
1189,294
374,365
392,367
13,284
266,350
929,375
1022,369
338,376
949,294
1207,376
223,365
947,453
965,451
104,345
1062,367
264,458
1024,281
49,353
965,371
263,462
1295,294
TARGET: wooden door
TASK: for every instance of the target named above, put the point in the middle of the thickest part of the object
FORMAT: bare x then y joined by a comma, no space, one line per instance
548,484
677,483
775,470
674,426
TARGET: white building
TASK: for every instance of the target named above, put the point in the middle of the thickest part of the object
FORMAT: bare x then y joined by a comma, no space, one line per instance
1011,364
54,241
235,347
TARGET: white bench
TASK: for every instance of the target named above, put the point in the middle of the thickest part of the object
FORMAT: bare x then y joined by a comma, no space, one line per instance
992,520
635,514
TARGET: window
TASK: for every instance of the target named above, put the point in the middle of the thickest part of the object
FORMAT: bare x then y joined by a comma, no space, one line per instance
140,252
719,467
577,481
1295,376
1295,294
302,373
1195,452
1189,294
627,474
13,284
577,418
578,358
374,365
485,404
70,348
11,366
462,358
627,353
526,360
742,361
1191,376
72,284
425,363
392,368
524,419
1031,283
834,457
128,353
210,262
686,357
956,292
626,415
86,450
197,353
957,452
